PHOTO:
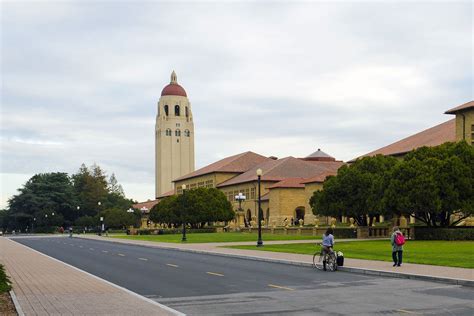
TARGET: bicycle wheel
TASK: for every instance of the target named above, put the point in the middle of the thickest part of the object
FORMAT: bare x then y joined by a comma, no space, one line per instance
318,260
331,264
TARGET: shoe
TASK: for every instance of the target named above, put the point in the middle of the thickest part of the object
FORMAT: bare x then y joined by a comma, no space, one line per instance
394,265
399,265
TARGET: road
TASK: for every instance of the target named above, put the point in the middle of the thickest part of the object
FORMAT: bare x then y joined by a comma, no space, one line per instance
200,284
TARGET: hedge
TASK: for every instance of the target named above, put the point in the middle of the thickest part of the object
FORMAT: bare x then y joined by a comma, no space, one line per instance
345,232
175,231
438,233
4,281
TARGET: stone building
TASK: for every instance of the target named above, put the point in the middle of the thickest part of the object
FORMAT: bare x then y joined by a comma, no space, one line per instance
174,137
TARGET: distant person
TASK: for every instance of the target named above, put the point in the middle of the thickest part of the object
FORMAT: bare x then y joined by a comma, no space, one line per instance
70,231
328,244
397,240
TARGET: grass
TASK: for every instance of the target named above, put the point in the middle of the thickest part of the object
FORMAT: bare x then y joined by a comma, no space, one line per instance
211,237
440,253
4,281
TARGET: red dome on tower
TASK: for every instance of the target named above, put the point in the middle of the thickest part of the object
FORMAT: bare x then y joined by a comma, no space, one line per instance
174,88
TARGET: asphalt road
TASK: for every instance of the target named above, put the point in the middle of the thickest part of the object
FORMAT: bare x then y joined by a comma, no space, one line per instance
199,284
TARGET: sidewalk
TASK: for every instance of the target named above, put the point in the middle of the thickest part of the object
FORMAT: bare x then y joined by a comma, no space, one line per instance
45,286
407,270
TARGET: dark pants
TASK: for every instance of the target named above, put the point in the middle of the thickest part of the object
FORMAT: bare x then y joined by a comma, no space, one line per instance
398,253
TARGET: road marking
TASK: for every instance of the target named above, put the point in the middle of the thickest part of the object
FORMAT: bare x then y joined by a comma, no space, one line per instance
121,254
104,251
144,259
71,244
81,247
171,265
281,287
408,312
91,248
213,273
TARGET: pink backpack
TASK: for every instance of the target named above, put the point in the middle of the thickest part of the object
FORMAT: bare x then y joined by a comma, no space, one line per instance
399,239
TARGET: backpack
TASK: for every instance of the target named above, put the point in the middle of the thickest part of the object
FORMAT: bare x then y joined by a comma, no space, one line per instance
399,239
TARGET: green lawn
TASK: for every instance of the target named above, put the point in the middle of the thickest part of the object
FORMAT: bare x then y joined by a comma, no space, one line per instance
211,237
4,284
441,253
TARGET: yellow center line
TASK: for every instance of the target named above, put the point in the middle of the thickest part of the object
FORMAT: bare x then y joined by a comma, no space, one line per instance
121,255
213,273
281,287
407,312
104,251
144,259
171,265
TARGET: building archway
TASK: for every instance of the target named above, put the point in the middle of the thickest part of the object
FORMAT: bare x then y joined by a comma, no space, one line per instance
299,214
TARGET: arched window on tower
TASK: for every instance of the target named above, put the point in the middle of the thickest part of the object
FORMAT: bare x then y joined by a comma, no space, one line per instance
177,132
166,110
176,110
168,132
187,133
186,111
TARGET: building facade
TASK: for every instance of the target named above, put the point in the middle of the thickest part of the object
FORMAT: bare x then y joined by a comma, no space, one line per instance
174,137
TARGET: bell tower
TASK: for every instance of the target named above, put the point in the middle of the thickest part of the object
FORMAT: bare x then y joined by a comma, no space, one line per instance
174,137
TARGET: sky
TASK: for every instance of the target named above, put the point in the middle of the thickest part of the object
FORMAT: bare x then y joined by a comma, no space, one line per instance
80,80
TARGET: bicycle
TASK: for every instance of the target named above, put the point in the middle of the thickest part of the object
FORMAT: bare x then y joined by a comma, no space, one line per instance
325,261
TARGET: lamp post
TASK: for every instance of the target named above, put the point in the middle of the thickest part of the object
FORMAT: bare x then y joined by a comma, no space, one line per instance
182,213
101,220
259,216
33,225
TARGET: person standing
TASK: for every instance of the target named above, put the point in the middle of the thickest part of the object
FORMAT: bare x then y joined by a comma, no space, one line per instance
397,240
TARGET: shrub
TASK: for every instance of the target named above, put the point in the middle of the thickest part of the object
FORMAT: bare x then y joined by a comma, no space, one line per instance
452,233
345,232
4,281
144,232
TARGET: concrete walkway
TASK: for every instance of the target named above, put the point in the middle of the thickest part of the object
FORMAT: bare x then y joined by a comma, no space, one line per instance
407,270
45,286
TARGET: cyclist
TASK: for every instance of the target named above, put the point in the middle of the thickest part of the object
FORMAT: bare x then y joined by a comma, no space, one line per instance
328,244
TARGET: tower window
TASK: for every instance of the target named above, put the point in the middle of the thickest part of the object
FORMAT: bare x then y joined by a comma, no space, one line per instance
186,111
177,132
168,132
166,110
176,110
187,133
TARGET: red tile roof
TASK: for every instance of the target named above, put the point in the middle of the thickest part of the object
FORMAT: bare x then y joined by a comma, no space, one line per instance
235,164
320,178
289,167
288,183
434,136
145,206
462,107
166,194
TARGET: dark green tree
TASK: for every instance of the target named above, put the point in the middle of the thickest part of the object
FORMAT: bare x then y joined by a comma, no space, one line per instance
51,192
356,191
90,185
434,183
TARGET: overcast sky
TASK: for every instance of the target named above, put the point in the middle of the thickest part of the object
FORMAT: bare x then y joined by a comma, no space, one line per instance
80,80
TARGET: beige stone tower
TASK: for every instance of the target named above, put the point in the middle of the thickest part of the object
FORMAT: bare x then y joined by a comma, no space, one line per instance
174,137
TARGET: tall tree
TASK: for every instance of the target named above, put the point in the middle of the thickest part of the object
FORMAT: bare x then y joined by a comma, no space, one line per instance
91,188
114,186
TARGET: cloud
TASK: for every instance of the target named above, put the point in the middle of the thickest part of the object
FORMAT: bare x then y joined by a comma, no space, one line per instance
80,80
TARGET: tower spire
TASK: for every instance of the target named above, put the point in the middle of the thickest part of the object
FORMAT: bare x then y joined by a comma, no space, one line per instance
174,78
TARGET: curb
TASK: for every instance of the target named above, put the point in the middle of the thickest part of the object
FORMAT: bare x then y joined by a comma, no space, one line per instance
16,303
399,275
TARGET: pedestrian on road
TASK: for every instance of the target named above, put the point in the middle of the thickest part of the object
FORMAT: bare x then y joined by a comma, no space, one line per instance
397,240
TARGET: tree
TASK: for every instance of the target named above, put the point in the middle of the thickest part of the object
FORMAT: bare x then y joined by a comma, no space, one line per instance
114,187
90,185
120,218
434,183
52,192
195,207
356,191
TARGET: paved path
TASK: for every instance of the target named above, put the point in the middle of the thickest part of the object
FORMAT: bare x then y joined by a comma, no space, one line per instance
382,266
44,286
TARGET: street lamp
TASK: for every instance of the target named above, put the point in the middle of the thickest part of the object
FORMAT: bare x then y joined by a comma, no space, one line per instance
240,197
259,218
101,220
33,225
182,213
130,210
